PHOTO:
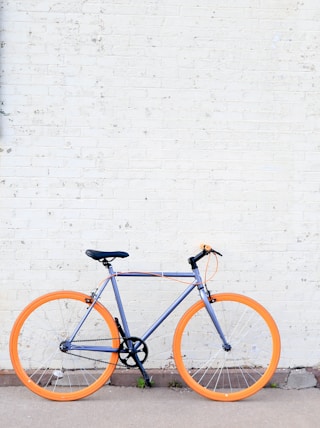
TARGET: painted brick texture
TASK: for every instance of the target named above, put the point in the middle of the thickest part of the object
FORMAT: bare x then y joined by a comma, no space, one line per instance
153,126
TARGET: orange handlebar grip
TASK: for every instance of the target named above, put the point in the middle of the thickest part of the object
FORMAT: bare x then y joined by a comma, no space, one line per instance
206,247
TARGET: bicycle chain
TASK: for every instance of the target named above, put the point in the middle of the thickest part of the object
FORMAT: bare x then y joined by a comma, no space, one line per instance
91,359
88,358
94,359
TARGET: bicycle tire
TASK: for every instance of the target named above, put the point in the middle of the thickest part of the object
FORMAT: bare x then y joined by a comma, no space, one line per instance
227,375
35,346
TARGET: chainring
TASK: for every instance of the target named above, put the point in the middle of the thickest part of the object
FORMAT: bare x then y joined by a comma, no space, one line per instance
126,356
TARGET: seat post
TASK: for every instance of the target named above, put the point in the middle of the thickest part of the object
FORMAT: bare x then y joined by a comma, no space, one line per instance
106,263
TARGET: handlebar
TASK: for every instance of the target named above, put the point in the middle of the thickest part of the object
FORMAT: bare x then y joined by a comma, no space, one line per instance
206,250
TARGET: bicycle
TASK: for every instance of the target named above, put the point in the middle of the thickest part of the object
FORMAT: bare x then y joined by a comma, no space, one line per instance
65,345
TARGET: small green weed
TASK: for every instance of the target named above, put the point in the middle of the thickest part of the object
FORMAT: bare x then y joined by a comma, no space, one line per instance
141,383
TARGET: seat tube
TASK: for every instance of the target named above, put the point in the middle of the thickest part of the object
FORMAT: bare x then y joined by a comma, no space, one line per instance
119,302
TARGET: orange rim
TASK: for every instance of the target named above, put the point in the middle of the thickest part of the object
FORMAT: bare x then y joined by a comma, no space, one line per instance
233,396
20,371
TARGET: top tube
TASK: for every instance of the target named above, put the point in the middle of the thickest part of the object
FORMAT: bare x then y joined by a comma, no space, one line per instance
158,274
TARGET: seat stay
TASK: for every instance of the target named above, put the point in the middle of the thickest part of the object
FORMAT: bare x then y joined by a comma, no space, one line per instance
95,296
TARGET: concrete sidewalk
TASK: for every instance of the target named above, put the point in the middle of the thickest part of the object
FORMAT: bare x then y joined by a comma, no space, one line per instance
157,407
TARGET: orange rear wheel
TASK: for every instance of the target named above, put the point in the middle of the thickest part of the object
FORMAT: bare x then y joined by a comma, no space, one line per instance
41,363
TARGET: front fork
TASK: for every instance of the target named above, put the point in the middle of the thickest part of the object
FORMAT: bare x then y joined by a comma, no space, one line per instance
207,300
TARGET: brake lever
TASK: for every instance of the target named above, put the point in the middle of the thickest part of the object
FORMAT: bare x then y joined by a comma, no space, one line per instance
216,252
208,249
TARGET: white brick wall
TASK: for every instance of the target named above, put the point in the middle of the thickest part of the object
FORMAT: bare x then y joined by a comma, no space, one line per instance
151,127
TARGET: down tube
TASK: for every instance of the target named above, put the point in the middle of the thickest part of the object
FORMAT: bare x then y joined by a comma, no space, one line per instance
171,308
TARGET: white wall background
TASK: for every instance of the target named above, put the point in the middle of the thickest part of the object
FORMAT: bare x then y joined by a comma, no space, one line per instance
153,126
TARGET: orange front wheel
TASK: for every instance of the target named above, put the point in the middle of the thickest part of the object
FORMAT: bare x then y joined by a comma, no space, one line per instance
41,362
232,374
